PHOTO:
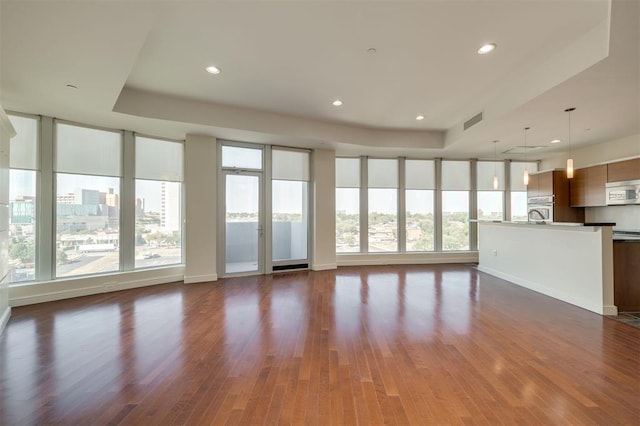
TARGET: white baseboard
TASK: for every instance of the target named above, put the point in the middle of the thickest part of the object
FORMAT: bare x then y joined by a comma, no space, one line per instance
568,298
4,318
50,291
324,267
609,310
200,278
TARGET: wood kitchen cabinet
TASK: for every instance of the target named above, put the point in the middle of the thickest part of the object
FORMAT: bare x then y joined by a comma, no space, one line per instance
555,183
588,187
540,184
626,275
623,170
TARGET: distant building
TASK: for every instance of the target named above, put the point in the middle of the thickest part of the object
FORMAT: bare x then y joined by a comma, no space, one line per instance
170,206
22,212
140,207
112,199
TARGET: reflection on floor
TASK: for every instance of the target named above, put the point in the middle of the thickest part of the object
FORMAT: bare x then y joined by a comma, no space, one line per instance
631,318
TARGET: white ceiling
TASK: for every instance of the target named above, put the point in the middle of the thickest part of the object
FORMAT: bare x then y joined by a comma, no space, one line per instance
139,65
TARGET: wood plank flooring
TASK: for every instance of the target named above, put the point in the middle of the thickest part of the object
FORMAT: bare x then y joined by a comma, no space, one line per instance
399,345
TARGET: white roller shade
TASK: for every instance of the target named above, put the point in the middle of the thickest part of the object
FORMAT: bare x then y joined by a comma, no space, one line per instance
290,165
420,174
347,172
23,153
383,173
83,150
456,176
517,172
159,160
485,172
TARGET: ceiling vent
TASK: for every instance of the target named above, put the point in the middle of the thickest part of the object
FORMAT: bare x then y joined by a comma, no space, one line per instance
473,120
523,149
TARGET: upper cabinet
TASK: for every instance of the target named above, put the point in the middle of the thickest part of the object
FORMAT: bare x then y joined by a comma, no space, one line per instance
623,170
555,183
540,184
588,187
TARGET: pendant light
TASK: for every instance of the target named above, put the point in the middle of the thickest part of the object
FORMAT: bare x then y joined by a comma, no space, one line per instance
525,178
569,160
495,166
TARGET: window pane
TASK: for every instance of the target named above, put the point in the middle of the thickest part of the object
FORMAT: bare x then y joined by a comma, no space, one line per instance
88,151
455,220
87,224
290,165
490,205
158,223
22,225
420,174
486,170
519,205
289,225
24,146
241,158
383,220
456,175
159,160
517,173
347,220
347,172
242,217
419,218
383,173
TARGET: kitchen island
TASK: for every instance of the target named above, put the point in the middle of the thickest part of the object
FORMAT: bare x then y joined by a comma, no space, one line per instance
570,262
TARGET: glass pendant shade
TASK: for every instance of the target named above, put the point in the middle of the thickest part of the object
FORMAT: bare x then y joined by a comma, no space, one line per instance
495,182
570,168
526,177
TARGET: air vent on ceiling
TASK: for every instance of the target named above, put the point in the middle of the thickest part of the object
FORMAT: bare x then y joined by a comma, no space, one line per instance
473,120
522,149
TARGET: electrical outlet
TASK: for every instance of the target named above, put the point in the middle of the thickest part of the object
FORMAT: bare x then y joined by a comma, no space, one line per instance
495,252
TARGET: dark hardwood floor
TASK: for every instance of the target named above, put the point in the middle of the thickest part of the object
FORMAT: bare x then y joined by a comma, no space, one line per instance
377,345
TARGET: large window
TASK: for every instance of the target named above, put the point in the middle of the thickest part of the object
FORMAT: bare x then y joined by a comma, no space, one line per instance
383,205
490,185
290,200
347,205
158,201
22,199
419,201
455,205
519,190
87,225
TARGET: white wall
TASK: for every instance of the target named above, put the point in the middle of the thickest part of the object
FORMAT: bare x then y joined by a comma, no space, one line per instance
605,152
200,179
6,133
570,263
324,216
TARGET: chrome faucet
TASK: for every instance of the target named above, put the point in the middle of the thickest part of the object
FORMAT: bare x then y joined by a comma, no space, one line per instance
538,211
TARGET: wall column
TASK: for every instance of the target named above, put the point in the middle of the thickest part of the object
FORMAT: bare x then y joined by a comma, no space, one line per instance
324,210
6,133
200,182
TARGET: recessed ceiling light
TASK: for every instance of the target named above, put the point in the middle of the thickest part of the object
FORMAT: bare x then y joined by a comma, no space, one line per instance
72,86
556,141
337,102
213,70
486,48
420,117
371,50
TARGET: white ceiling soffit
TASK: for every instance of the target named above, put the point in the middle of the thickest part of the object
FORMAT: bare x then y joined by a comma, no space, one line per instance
140,65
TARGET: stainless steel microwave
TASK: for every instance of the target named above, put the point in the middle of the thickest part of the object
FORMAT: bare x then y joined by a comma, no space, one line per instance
627,192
